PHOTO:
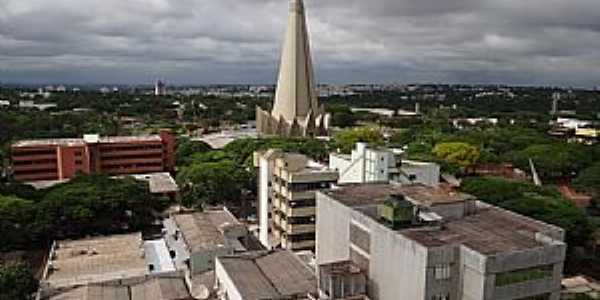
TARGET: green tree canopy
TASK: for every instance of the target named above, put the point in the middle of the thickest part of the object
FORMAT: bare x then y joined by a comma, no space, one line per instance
552,160
545,204
91,204
241,151
589,180
462,154
17,282
342,116
346,140
186,148
16,222
213,182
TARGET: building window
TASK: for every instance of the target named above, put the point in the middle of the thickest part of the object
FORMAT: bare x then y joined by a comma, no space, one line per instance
441,272
441,297
523,275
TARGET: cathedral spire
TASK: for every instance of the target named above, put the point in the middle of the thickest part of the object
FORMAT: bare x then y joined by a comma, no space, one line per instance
296,94
296,111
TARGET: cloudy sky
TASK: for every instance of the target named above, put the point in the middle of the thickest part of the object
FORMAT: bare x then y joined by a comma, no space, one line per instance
238,41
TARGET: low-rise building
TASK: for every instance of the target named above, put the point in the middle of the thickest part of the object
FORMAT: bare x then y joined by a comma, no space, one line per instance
153,288
206,235
286,198
110,260
377,164
264,275
422,243
58,159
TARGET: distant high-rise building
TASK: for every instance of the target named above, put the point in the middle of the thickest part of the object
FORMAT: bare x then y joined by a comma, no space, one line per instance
296,111
555,99
160,88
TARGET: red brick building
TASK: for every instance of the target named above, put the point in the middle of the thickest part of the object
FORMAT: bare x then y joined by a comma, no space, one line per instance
58,159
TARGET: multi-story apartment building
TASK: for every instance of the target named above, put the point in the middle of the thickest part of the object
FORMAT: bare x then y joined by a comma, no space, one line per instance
422,243
378,164
287,185
58,159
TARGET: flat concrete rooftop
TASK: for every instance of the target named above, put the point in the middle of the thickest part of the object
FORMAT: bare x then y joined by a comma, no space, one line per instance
96,259
487,229
356,195
73,142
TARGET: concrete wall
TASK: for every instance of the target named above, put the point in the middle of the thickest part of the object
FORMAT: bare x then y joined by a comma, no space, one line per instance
397,266
202,261
478,273
440,257
426,173
332,230
226,286
264,178
350,171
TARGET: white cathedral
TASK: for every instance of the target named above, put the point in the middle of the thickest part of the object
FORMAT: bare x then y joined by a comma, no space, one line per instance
296,111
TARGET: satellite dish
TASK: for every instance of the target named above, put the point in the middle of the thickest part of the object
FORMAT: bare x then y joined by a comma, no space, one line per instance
201,292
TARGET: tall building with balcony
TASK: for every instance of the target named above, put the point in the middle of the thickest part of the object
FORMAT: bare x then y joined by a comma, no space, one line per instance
286,205
60,159
422,243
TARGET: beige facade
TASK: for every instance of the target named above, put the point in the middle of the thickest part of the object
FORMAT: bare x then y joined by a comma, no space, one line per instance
296,111
293,180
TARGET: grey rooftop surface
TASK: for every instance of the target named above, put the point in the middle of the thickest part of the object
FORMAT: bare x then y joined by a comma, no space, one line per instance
270,275
81,142
97,259
158,288
488,229
206,230
356,195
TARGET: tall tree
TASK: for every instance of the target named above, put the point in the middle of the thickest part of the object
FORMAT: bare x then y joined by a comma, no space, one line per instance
17,282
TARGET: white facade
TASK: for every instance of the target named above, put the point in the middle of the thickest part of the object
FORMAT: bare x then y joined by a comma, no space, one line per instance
379,165
264,175
447,262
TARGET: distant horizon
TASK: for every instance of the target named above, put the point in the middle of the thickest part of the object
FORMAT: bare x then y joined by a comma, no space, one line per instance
182,85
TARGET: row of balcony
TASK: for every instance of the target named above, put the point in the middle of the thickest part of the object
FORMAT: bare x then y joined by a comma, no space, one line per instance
291,229
131,161
33,157
35,167
132,153
282,206
286,243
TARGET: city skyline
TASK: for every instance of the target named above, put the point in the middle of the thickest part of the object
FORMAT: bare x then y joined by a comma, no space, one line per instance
214,42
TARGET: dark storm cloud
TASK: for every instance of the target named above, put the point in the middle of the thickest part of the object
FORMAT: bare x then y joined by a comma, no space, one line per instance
214,41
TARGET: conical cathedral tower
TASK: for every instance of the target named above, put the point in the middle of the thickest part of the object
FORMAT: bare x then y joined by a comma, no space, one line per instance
296,111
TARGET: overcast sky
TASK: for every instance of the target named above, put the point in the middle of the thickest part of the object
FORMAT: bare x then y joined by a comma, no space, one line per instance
354,41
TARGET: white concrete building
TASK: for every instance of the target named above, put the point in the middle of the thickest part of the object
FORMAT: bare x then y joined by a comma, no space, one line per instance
368,164
421,243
